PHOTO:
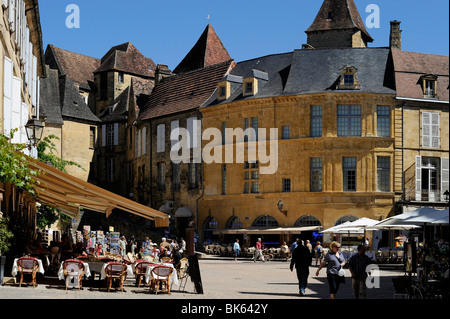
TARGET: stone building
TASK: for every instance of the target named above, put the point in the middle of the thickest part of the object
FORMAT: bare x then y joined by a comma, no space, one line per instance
21,68
337,108
421,127
174,103
65,115
77,67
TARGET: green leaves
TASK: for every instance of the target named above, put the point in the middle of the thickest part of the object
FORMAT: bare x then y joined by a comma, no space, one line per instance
14,167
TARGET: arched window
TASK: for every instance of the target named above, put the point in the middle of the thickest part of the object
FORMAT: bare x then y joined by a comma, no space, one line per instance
209,226
344,219
234,223
307,220
265,221
210,223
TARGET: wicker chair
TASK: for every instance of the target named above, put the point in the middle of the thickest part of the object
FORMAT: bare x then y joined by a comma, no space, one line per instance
140,270
166,260
115,271
182,271
28,266
161,275
149,258
73,271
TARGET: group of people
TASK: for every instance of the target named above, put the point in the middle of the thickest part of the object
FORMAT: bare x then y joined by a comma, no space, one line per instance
334,262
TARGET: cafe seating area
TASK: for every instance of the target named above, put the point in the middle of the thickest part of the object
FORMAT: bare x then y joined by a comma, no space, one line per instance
107,273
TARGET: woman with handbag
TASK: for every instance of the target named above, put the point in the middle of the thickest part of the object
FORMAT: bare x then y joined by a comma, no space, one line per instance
334,260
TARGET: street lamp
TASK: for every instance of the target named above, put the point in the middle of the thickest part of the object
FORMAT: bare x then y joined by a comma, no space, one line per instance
34,129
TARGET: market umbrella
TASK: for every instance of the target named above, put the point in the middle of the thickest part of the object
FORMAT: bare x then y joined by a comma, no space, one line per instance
343,229
362,223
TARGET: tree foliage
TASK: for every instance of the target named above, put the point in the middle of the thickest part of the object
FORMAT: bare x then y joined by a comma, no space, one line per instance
14,167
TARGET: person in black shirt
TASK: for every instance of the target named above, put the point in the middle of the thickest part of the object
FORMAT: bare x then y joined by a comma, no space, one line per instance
301,258
357,266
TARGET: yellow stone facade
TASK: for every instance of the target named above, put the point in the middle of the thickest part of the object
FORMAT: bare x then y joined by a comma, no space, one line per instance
294,155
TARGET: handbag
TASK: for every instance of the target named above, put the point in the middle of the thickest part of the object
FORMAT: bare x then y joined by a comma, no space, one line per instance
341,272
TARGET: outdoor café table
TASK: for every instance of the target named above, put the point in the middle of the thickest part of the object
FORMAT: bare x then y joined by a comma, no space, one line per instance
15,269
103,271
87,271
173,278
369,254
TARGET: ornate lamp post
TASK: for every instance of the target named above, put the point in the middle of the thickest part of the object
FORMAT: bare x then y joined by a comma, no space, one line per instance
34,129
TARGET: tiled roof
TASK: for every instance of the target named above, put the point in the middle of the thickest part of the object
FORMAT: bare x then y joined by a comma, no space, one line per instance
209,50
338,14
126,58
79,68
184,91
410,66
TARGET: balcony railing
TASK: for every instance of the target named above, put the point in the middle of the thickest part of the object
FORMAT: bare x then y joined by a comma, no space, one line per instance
425,196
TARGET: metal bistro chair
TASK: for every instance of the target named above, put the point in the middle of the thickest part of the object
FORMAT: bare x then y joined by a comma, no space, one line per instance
73,271
28,266
115,271
161,275
140,270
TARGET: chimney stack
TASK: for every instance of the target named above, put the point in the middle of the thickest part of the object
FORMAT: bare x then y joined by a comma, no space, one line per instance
162,71
395,38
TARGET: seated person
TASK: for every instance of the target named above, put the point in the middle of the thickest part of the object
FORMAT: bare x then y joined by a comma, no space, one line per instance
100,251
155,252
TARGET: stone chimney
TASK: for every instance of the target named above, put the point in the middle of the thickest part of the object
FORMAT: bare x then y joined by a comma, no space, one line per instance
395,38
162,71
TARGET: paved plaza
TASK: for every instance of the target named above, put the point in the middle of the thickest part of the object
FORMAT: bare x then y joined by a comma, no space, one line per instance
221,278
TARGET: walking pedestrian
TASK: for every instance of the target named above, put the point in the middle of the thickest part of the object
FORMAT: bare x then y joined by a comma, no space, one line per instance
258,251
357,266
308,244
318,250
334,260
236,248
301,258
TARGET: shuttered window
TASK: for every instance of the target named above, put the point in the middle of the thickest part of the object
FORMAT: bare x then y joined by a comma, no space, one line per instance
430,130
160,138
7,94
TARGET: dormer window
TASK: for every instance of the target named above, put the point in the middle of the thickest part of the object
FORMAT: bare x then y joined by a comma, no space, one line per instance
249,88
348,79
429,86
223,91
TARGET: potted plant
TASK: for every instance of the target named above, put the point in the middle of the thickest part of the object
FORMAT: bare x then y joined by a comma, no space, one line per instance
4,244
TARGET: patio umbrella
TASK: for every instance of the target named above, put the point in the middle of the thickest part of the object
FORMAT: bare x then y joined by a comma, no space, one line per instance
343,229
362,223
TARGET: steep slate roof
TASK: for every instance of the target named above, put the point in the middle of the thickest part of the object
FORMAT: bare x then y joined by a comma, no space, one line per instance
318,71
208,50
314,71
277,67
126,58
60,100
120,108
79,68
344,15
184,91
410,66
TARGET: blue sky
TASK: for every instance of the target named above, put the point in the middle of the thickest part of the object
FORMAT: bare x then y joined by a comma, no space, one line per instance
166,30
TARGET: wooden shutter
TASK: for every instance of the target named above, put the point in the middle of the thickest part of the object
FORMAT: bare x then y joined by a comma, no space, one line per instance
34,82
444,176
103,135
139,140
116,133
16,109
426,129
418,178
5,3
11,15
435,130
7,94
144,140
25,118
160,138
